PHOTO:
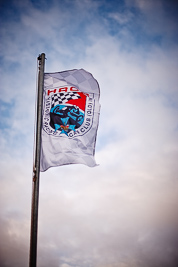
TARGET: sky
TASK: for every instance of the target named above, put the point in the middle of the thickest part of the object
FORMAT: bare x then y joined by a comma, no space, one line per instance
122,213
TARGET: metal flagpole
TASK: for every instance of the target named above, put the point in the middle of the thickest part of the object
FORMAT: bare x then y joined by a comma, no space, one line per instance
36,170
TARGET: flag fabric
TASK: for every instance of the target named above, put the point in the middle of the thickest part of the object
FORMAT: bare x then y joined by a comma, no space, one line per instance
70,118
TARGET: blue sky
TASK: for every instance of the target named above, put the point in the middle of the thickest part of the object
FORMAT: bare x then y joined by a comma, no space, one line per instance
123,212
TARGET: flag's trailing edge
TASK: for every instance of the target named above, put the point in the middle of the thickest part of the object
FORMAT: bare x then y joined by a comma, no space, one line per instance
70,118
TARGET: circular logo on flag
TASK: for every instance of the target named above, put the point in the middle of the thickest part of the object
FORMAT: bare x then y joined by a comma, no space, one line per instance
67,112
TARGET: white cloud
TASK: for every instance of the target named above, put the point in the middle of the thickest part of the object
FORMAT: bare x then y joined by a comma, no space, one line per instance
146,5
121,18
108,215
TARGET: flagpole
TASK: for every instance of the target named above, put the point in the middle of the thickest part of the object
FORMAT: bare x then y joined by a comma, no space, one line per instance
36,168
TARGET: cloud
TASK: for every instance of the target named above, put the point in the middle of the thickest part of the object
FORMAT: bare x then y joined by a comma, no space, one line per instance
160,19
121,17
123,212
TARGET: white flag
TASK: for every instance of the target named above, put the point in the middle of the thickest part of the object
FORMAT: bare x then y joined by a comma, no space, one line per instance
70,118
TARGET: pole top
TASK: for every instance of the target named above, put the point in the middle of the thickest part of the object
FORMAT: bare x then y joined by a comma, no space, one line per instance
40,56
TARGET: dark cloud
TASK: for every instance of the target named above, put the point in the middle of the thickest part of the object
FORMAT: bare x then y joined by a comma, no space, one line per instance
14,245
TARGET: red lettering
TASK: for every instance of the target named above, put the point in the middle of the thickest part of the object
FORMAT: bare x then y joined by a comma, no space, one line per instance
51,91
63,89
73,89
